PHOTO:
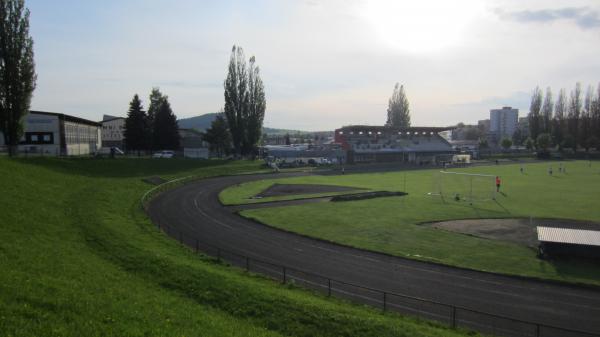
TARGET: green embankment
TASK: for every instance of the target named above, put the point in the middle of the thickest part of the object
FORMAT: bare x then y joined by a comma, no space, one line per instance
391,225
78,257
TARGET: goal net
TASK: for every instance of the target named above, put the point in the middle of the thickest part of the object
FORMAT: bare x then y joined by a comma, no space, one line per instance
464,186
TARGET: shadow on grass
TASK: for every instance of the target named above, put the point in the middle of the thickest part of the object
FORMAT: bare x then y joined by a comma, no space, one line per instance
120,167
581,268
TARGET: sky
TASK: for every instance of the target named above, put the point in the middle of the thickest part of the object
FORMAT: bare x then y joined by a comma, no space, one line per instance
325,64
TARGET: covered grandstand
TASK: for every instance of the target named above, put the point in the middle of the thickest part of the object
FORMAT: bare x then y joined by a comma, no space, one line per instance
417,145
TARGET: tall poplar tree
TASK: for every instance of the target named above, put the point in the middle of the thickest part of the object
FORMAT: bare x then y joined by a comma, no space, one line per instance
534,113
574,114
17,70
559,125
256,106
585,125
236,91
398,112
245,102
546,112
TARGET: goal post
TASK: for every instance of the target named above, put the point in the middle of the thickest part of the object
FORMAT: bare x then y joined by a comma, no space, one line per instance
464,186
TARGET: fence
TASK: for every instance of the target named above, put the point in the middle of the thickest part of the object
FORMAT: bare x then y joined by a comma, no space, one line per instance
453,315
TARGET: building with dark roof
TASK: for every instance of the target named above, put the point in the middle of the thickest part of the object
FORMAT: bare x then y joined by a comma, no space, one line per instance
418,145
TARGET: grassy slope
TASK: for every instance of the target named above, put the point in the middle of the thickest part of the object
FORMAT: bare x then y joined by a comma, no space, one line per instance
79,258
390,224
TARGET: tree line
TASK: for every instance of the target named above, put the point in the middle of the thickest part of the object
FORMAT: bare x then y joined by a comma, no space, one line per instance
155,129
568,122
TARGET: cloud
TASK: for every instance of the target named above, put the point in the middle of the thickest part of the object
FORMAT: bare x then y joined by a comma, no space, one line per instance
583,17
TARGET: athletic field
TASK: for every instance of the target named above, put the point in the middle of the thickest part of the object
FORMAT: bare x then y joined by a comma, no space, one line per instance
400,225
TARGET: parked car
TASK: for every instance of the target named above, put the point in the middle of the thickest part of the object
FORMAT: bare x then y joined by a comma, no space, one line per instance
164,154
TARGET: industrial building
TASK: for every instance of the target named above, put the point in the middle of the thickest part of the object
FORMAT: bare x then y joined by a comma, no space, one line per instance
56,134
416,145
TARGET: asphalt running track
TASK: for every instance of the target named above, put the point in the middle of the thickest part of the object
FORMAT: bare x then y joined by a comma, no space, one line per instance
193,212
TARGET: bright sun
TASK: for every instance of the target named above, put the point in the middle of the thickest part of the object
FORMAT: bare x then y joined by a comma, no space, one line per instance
420,25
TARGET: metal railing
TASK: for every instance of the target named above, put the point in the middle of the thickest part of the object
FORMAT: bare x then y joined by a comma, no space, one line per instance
452,315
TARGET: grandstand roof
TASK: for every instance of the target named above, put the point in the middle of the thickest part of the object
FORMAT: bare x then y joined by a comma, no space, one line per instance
387,129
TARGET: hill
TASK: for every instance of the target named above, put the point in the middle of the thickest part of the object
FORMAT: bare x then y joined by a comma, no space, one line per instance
203,122
79,257
200,123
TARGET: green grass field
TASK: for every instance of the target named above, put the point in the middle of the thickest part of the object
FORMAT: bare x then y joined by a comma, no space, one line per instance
391,225
78,257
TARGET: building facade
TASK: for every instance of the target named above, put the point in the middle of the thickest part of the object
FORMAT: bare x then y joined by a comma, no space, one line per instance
417,145
113,129
55,134
503,123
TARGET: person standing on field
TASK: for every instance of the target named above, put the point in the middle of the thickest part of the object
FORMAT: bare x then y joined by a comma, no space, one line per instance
498,182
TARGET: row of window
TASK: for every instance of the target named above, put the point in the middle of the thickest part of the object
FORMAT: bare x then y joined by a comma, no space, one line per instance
112,127
76,134
39,138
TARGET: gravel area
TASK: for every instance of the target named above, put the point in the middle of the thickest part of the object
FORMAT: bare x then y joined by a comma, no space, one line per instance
521,231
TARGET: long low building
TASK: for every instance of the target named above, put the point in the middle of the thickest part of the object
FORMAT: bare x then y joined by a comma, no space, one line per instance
418,145
568,242
56,134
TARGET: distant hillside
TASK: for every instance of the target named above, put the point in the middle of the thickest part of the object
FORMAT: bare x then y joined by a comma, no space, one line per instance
200,123
203,122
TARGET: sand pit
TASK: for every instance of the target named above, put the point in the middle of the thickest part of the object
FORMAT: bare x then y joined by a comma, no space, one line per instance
278,190
520,231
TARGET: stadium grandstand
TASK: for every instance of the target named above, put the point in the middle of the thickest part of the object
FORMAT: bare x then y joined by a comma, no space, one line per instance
416,145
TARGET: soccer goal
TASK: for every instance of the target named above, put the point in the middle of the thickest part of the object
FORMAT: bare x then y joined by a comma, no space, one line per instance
464,186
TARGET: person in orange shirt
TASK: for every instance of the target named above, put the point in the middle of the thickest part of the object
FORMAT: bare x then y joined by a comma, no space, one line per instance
498,182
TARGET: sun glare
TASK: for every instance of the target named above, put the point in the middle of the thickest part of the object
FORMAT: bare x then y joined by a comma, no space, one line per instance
422,25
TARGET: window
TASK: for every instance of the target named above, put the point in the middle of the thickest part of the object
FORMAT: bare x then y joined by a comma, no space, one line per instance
34,138
47,138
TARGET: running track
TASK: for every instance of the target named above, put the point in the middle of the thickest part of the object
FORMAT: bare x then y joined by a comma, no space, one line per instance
195,211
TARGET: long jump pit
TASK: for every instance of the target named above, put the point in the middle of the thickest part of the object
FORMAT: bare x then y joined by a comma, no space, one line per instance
520,231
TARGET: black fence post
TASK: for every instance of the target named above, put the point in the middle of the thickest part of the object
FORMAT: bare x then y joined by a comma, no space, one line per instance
328,287
453,316
284,275
218,254
180,237
196,246
384,301
537,330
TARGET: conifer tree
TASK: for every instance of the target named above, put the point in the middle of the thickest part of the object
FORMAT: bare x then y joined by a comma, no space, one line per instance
135,126
166,130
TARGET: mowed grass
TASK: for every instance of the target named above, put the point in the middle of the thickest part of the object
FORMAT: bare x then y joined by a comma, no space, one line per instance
392,225
78,257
